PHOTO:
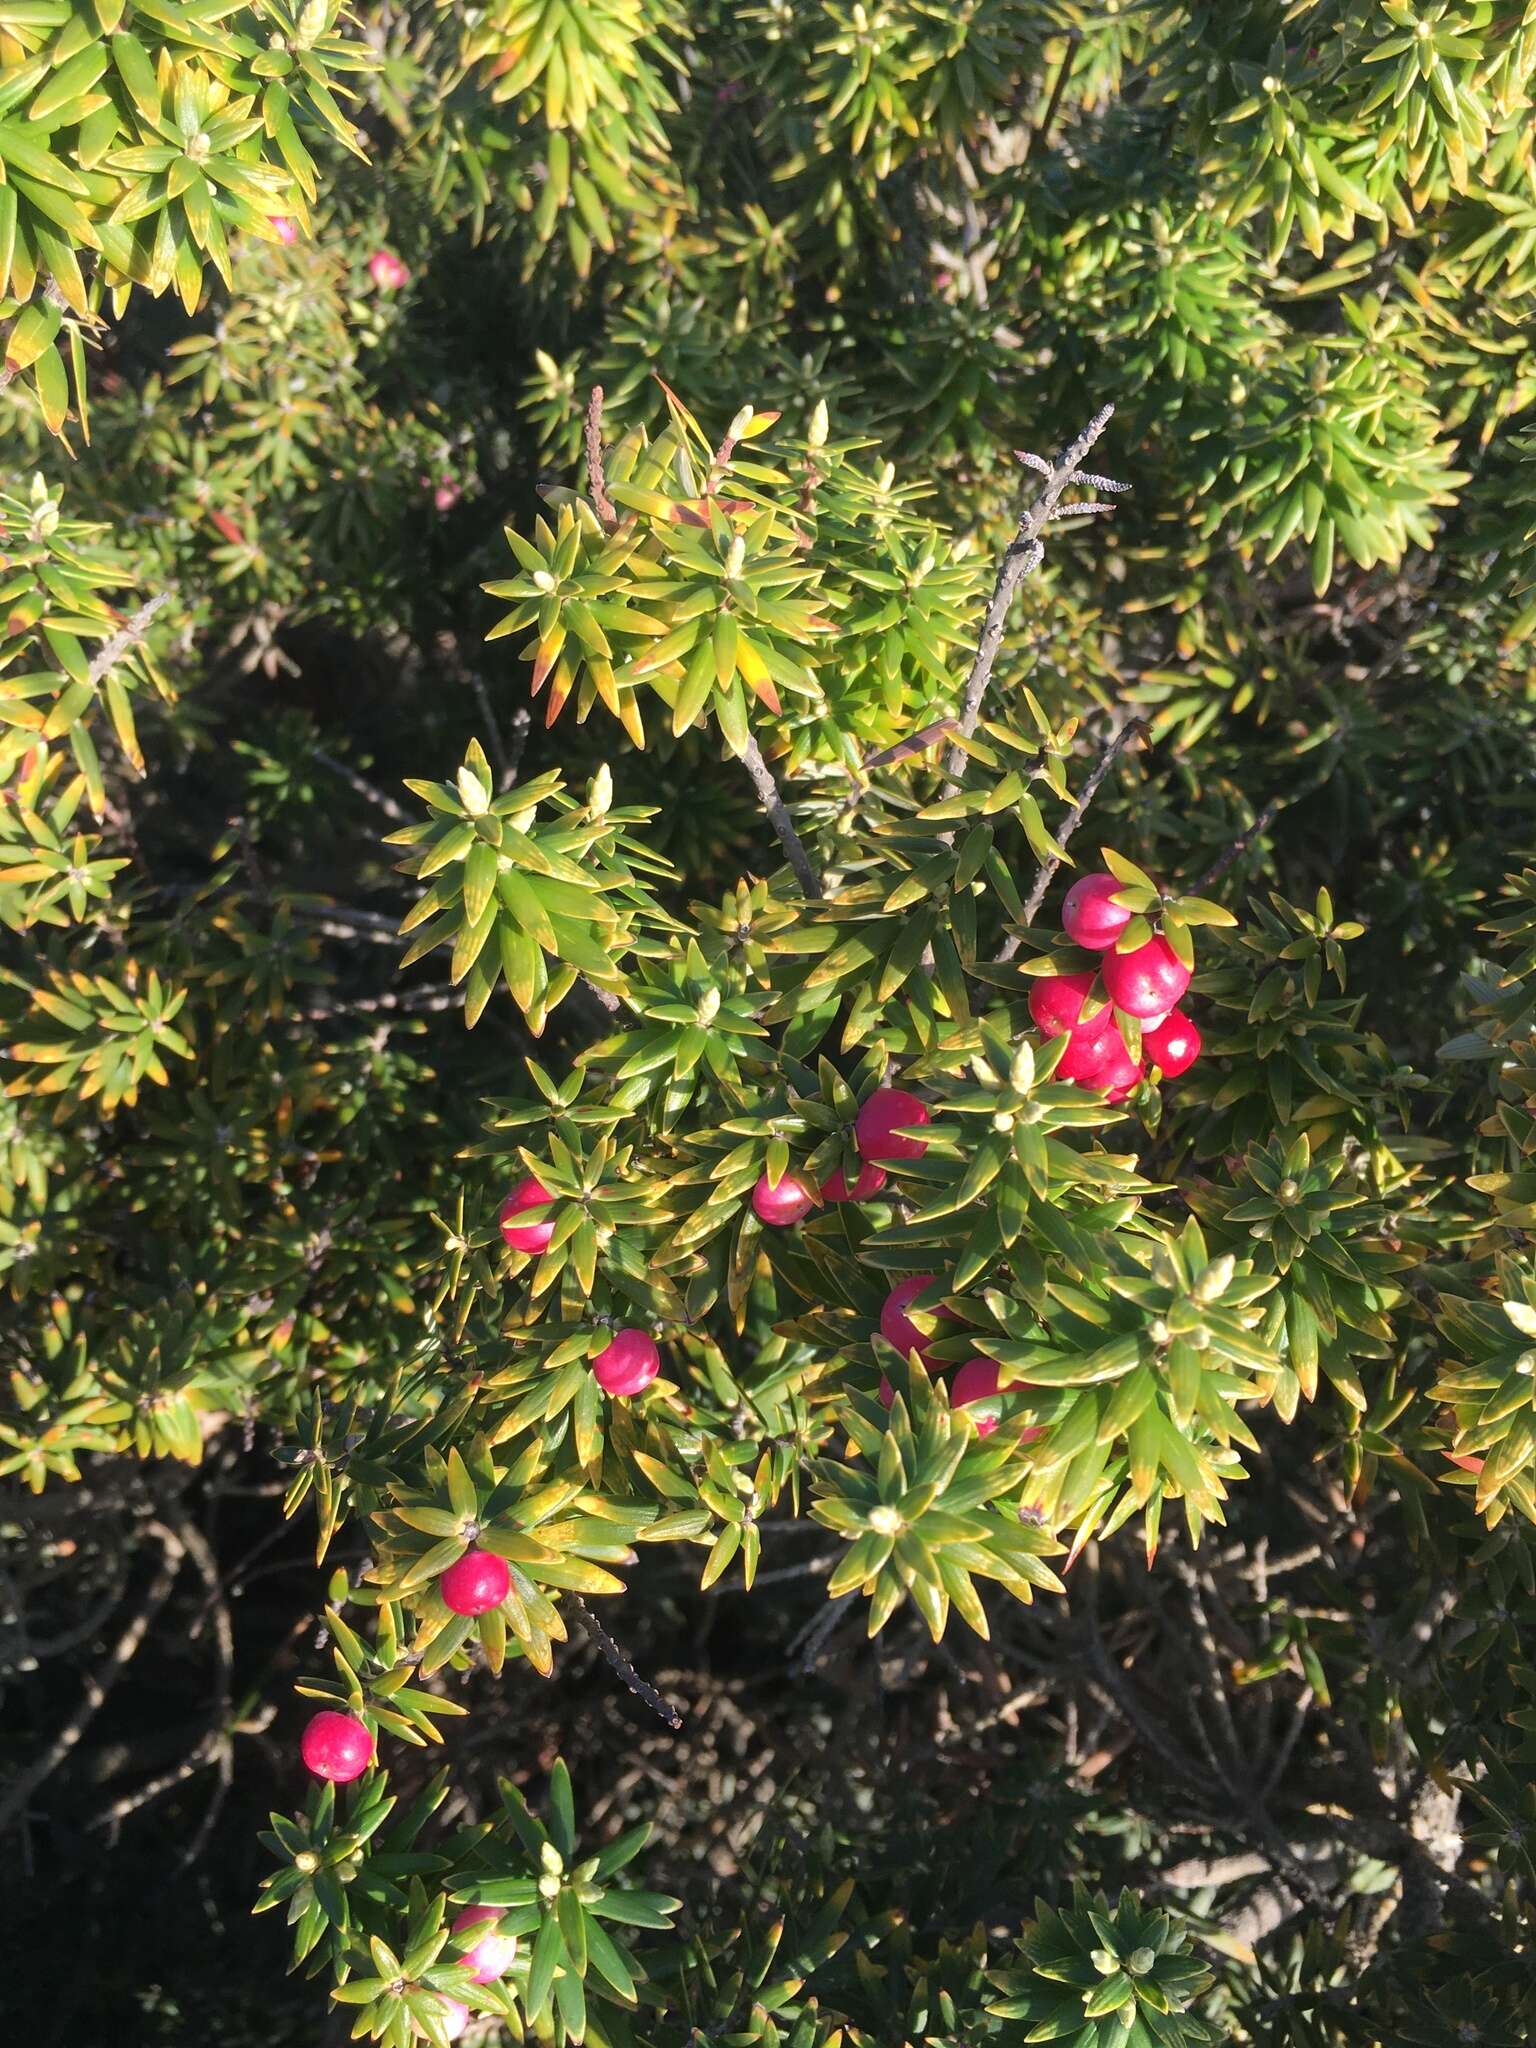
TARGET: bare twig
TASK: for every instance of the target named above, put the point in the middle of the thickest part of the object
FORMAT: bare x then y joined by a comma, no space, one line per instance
1239,846
596,481
1133,728
363,787
1043,126
127,636
500,762
616,1658
779,818
99,1683
1021,557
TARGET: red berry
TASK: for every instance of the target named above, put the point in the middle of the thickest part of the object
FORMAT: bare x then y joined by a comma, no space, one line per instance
1056,1004
1173,1045
453,2016
882,1115
887,1392
337,1747
477,1583
898,1328
527,1237
494,1954
1083,1063
1148,981
784,1204
1119,1074
1089,918
869,1181
976,1381
628,1364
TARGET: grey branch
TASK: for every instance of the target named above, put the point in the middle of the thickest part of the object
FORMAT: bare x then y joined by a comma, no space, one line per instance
778,816
597,482
1021,557
99,1683
363,787
1239,846
127,636
1121,739
615,1657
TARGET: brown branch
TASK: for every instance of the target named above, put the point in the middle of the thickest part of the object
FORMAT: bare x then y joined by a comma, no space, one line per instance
596,481
364,787
778,816
617,1660
1021,557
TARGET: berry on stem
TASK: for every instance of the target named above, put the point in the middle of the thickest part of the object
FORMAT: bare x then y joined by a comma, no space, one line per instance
881,1116
1147,981
628,1363
1089,918
869,1181
527,1237
1173,1045
784,1204
336,1747
898,1328
478,1582
494,1954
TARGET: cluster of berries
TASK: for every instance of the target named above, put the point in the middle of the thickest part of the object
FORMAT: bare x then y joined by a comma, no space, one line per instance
1145,983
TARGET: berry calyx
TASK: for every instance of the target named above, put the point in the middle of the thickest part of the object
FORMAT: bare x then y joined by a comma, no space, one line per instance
478,1582
869,1181
881,1116
627,1364
336,1747
1089,918
1147,981
1173,1045
898,1328
494,1954
976,1381
527,1237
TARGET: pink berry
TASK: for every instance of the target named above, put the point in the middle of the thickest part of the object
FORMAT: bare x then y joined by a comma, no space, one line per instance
1148,981
976,1381
1089,918
887,1392
387,271
881,1116
628,1364
898,1328
286,229
494,1954
336,1747
527,1237
453,2016
870,1180
784,1204
477,1583
1173,1045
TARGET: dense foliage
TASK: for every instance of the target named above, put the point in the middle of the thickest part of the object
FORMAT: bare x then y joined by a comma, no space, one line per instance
909,458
